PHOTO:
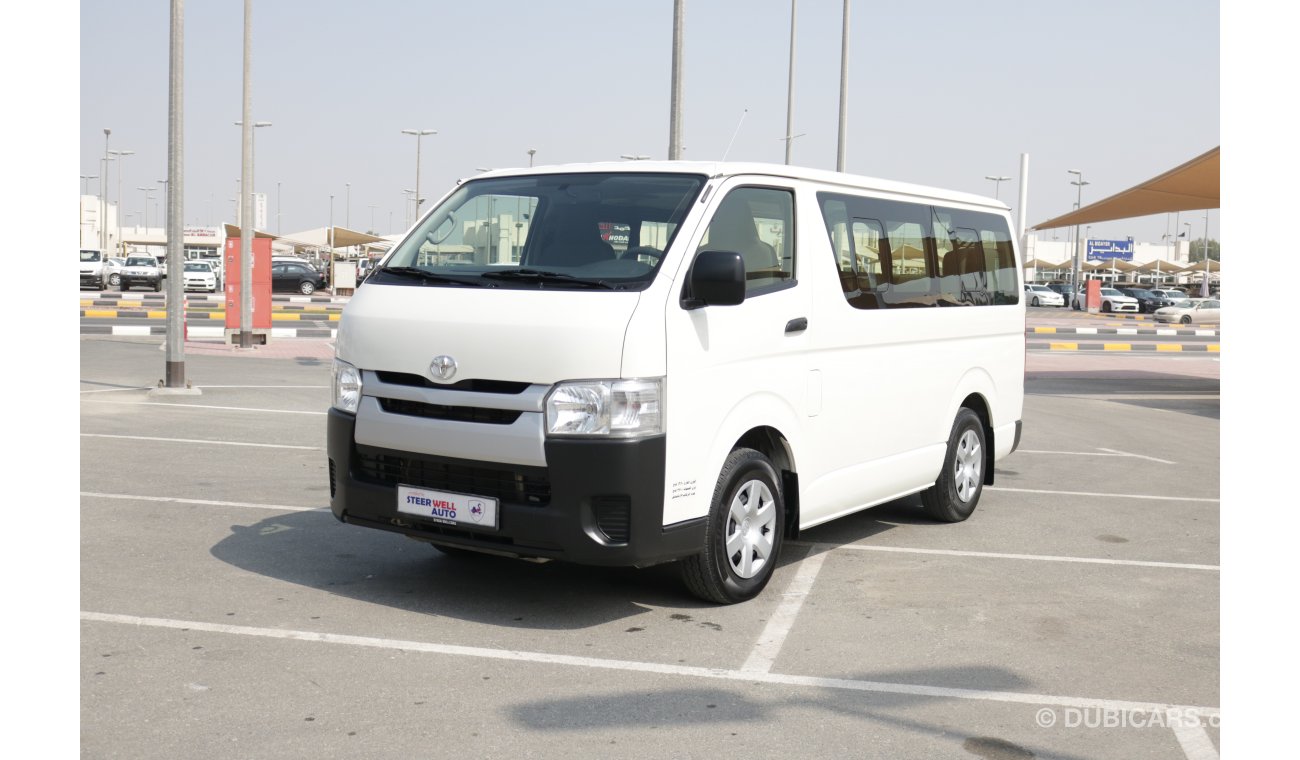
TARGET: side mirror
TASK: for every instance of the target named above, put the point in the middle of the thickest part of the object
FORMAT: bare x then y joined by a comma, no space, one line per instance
717,278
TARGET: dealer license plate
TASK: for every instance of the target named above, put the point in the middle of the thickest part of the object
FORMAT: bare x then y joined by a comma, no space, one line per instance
448,508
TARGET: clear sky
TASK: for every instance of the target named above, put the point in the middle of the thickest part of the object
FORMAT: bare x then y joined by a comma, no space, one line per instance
940,93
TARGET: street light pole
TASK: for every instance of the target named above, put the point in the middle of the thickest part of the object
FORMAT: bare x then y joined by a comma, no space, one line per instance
146,190
277,208
419,133
1074,272
531,151
347,212
103,200
997,183
789,96
1205,251
675,86
246,231
175,346
841,153
120,155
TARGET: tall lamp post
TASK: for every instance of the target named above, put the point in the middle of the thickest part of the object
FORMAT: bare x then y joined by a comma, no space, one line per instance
997,183
1074,273
1205,251
120,155
531,153
81,217
252,167
103,198
146,191
419,133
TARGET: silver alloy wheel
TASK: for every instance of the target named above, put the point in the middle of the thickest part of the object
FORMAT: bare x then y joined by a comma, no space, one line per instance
751,529
115,279
968,465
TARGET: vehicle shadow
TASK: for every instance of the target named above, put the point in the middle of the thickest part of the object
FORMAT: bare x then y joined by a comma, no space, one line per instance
720,707
313,549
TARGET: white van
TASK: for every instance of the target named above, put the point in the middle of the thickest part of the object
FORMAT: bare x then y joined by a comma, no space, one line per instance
628,364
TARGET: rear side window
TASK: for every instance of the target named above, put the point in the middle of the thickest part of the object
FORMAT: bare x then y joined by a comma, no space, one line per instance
893,254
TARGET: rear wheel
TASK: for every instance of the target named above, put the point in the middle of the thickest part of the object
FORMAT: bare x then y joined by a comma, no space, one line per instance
1035,302
306,287
115,279
742,538
157,286
956,492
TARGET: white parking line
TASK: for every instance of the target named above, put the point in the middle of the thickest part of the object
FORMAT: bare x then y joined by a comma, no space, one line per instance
1099,453
1193,740
117,390
155,404
744,676
1103,495
200,440
205,502
1032,557
770,641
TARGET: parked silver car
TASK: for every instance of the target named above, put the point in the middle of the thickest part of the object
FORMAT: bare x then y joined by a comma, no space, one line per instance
1190,311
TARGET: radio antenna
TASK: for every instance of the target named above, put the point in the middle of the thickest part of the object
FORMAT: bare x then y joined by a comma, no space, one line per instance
733,134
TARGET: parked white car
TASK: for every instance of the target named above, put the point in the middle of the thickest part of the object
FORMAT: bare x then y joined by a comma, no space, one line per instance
1189,311
199,276
1041,295
92,268
1111,301
141,270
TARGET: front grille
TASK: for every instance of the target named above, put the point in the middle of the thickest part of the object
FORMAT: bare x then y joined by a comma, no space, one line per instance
453,413
474,386
507,483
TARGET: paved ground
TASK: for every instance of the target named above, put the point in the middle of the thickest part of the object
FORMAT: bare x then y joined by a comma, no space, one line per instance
226,613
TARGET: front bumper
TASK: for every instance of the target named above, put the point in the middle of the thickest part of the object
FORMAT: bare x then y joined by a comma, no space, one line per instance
596,502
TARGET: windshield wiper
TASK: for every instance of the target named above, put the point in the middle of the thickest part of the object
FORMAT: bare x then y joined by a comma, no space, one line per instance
428,276
540,276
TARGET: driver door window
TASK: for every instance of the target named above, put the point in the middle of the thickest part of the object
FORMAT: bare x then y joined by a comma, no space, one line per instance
757,223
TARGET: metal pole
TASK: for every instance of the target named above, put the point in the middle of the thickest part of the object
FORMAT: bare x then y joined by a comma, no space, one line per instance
103,200
277,208
1205,284
840,154
789,96
675,87
246,191
531,151
120,155
175,357
347,212
1024,196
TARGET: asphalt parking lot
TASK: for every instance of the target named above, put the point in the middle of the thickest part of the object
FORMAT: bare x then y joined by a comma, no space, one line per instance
226,613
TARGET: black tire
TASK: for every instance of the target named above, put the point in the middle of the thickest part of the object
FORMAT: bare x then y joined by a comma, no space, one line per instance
157,286
306,287
1035,302
956,492
1187,319
1105,306
747,478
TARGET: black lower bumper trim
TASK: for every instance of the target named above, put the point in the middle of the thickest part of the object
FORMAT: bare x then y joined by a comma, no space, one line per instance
605,508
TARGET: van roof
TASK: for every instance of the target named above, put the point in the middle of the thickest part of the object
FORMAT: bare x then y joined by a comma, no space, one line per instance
718,170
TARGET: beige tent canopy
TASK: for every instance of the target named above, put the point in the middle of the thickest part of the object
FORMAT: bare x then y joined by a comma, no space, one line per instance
320,238
1190,187
234,231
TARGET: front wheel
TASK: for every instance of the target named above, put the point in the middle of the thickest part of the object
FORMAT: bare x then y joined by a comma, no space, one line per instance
1035,303
956,492
307,288
1187,319
743,536
1105,306
115,279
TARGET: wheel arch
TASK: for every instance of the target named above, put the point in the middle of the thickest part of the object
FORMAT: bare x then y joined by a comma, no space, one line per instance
973,393
771,443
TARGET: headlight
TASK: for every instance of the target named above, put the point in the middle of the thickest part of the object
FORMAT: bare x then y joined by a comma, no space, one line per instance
606,408
347,386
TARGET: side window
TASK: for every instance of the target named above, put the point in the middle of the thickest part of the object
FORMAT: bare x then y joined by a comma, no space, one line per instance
277,270
757,223
976,261
882,250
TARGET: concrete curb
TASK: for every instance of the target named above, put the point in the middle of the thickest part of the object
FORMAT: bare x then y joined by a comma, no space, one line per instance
1212,348
217,297
137,331
1118,331
276,316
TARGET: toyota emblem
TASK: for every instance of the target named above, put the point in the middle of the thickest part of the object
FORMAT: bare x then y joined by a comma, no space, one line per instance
443,368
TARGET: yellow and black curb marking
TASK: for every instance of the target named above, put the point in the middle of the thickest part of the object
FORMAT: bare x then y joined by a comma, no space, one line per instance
276,316
1190,331
1212,348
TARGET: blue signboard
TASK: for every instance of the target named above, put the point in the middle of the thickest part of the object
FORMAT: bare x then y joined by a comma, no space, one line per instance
1105,250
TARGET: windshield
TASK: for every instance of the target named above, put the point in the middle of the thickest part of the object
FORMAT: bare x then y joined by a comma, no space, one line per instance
197,266
141,261
90,255
1182,304
571,231
1041,288
1138,293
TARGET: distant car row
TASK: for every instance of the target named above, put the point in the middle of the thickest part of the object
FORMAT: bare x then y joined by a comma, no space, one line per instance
1167,305
288,274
